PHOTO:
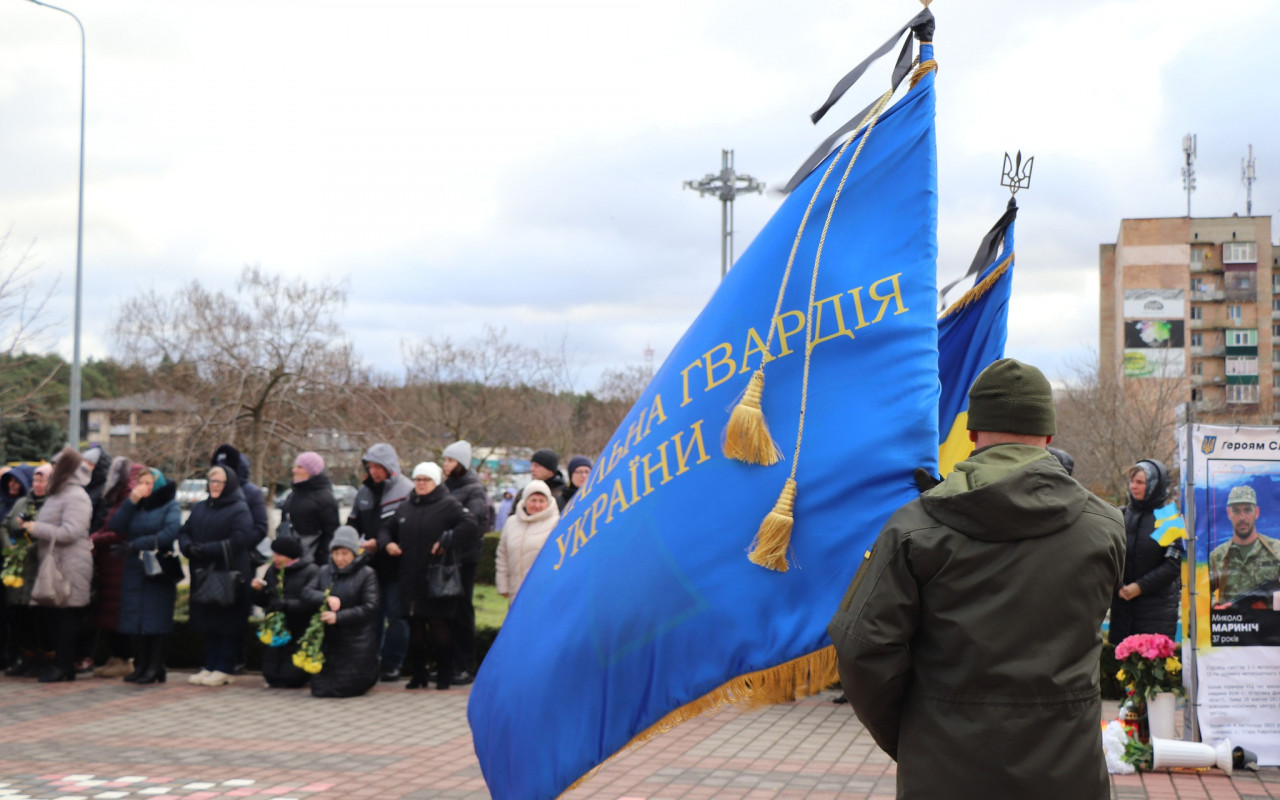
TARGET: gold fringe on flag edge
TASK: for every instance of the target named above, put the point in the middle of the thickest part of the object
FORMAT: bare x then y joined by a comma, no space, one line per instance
800,677
970,297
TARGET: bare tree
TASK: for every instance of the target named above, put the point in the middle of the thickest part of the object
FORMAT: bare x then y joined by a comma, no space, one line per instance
1108,422
23,321
265,364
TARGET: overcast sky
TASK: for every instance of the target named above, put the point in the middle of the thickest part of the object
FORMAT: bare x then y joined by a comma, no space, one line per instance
520,163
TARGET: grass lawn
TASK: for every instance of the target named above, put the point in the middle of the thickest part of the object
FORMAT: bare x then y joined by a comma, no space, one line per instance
491,607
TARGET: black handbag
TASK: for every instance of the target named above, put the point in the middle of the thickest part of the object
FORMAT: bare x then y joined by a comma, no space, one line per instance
445,579
216,585
161,567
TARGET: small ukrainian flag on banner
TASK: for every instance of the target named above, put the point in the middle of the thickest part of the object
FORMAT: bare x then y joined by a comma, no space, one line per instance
1169,525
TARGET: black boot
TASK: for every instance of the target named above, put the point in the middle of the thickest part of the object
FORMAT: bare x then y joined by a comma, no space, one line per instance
26,665
140,654
153,646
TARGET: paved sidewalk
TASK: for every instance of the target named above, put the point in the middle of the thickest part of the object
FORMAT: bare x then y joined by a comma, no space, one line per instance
96,739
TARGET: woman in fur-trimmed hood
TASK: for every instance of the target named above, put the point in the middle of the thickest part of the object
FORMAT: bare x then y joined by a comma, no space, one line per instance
523,535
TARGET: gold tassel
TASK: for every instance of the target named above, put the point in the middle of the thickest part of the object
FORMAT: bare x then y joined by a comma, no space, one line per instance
746,437
801,677
770,547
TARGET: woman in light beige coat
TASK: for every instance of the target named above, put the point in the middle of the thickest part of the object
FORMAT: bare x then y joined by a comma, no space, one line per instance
61,534
523,535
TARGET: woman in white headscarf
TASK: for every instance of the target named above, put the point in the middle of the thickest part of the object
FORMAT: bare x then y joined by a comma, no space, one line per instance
523,535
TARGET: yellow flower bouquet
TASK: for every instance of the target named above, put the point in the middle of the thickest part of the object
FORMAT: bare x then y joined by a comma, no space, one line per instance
308,657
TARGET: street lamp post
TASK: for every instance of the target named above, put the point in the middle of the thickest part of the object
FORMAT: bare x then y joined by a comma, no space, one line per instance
726,185
73,429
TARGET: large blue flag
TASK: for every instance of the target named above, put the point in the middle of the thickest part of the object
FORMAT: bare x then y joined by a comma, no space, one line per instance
971,335
642,608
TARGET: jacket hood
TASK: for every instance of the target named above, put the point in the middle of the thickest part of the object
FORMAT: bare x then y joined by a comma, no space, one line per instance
384,454
231,493
532,488
100,470
23,473
1157,485
1007,493
228,456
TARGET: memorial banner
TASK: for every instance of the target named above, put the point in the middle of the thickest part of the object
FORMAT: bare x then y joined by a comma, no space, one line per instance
1236,563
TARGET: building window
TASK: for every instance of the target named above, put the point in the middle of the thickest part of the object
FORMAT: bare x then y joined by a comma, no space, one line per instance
1236,313
1197,259
1197,368
1275,304
1197,312
1275,380
1242,365
1275,330
1242,338
1242,393
1196,394
1275,282
1240,253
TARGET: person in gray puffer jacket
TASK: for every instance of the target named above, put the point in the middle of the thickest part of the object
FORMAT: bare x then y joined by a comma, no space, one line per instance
383,490
61,534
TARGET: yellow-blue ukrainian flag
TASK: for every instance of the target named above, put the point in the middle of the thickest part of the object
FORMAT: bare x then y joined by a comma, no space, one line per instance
971,335
642,608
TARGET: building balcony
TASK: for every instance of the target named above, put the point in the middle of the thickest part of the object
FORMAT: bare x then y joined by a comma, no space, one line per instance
1208,295
1241,295
1275,313
1210,351
1206,324
1275,340
1275,392
1206,266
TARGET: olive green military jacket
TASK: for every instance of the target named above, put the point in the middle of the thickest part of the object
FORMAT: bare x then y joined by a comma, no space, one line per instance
968,641
1234,570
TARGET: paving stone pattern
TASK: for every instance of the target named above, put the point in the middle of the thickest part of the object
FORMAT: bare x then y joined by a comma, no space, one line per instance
106,740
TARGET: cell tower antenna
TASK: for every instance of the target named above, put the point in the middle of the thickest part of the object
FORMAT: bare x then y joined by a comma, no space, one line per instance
1189,167
1248,174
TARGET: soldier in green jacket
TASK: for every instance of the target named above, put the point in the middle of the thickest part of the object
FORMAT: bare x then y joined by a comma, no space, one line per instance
1249,559
968,641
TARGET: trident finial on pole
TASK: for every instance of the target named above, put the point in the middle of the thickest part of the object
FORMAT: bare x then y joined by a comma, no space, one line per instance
1015,174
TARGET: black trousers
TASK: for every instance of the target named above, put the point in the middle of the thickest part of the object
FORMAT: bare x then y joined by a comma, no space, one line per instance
463,626
440,644
62,626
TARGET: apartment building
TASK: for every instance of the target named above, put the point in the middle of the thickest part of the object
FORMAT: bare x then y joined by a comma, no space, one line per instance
1195,303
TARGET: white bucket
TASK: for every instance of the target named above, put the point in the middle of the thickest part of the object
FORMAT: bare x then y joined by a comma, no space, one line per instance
1177,753
1160,708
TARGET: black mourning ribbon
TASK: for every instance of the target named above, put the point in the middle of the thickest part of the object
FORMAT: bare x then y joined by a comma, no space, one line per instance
922,25
990,246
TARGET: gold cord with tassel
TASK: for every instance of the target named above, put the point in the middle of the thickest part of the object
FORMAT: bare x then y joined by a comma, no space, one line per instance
769,548
747,436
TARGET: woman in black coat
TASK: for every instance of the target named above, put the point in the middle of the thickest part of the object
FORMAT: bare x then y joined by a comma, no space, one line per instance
218,536
354,619
311,509
419,536
1151,595
148,519
298,572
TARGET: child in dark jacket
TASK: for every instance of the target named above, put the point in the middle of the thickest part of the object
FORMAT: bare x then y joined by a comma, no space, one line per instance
287,563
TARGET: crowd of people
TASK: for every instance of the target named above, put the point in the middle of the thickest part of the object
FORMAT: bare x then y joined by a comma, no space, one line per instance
91,565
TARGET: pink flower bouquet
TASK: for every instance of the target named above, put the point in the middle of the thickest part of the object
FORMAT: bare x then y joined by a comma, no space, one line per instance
1149,665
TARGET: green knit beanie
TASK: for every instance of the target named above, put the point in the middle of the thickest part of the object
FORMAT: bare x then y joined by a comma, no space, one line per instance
1012,397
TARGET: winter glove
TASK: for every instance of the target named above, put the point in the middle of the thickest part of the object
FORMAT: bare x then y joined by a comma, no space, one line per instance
924,479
